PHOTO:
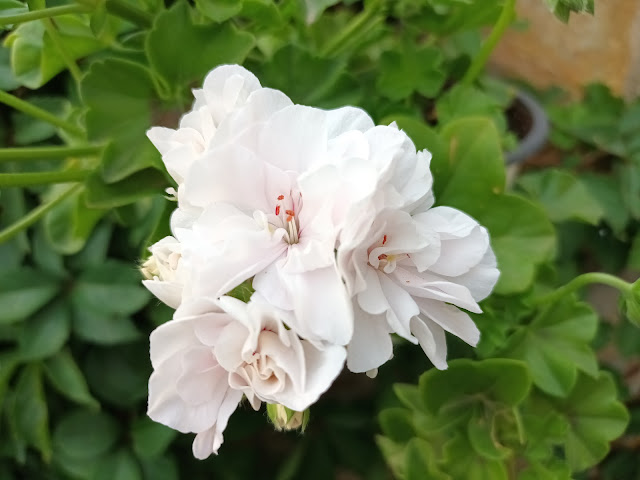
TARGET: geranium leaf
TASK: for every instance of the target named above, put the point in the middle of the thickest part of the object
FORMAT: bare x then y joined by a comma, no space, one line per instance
45,333
65,375
23,292
84,434
409,70
556,344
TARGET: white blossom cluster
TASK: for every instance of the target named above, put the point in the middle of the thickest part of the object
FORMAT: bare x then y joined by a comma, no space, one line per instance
331,218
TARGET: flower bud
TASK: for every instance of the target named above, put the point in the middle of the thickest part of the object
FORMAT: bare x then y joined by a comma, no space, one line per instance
630,304
284,418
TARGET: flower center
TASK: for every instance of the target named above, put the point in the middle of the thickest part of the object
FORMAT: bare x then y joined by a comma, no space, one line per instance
380,260
286,216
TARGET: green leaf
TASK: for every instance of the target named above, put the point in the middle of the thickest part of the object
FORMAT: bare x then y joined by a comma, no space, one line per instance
556,345
9,8
562,9
521,236
65,376
150,439
394,455
142,184
85,435
103,328
538,471
219,10
162,468
45,334
462,462
396,424
313,81
200,49
409,395
8,81
595,417
243,291
35,58
29,130
121,465
498,379
119,375
69,224
562,195
468,101
482,436
472,174
420,462
409,70
98,287
44,255
30,414
605,189
23,292
118,95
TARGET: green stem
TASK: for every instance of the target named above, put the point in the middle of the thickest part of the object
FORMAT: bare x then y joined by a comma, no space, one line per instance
34,215
38,153
52,30
127,11
44,13
477,65
582,281
39,113
337,44
41,178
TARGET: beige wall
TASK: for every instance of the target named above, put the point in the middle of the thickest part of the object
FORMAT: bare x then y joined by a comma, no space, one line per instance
605,47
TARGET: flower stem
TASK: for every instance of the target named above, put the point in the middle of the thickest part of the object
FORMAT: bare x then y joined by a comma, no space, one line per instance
42,178
52,30
38,153
39,113
44,13
477,65
124,10
352,30
34,215
582,281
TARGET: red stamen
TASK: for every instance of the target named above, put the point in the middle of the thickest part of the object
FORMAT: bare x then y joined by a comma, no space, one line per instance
277,209
382,257
280,197
290,212
289,218
384,240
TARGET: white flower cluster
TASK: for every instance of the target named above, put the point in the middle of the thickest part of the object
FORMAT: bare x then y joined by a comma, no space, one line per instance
331,218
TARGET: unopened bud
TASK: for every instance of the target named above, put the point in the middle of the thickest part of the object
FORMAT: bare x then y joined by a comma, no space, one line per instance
284,418
630,304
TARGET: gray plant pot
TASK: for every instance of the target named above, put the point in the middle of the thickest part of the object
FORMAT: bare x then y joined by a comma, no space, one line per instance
538,133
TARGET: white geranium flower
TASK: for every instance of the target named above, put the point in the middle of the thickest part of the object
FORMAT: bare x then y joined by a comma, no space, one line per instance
409,275
207,357
163,272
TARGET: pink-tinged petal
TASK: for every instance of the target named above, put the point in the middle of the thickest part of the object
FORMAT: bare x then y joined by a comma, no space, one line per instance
371,344
230,347
451,319
426,285
481,279
169,293
202,377
271,285
294,138
432,340
210,440
347,118
169,339
317,319
402,306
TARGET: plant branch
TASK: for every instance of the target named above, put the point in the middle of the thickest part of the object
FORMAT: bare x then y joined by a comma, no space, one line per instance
42,178
124,10
44,13
38,153
353,29
34,215
52,30
477,65
582,281
39,113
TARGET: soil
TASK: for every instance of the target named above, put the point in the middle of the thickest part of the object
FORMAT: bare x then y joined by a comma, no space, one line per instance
519,119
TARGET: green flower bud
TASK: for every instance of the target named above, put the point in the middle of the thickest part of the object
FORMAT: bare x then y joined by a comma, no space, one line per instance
284,418
630,304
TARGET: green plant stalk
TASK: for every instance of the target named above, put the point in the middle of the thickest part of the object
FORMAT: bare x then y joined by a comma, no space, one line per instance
479,62
44,13
34,215
55,38
38,153
582,281
352,29
43,178
129,12
26,107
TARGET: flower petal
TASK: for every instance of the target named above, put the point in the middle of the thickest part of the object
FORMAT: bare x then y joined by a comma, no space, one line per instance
371,344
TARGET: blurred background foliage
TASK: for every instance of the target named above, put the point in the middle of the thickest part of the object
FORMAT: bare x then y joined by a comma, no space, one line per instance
541,397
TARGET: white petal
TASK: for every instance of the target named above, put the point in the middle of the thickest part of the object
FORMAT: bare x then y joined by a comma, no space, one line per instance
450,318
371,344
403,307
226,88
169,293
481,279
432,340
372,299
347,118
209,441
